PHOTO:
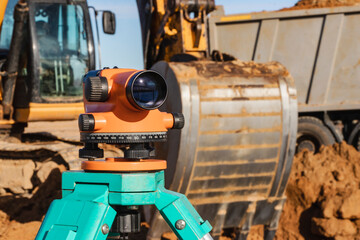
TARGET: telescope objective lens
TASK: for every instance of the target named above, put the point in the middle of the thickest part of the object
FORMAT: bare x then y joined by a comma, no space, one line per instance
147,90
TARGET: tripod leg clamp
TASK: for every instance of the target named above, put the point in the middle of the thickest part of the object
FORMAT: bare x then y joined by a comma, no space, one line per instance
181,216
82,215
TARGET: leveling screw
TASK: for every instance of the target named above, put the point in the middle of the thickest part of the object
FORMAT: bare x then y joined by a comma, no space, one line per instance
180,224
105,229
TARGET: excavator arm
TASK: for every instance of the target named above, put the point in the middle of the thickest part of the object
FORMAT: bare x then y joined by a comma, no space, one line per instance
173,27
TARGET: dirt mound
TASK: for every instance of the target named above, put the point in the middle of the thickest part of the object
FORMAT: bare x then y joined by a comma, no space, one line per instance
306,4
323,195
21,216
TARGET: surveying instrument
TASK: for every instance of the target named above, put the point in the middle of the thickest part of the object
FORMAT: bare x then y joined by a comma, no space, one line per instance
102,201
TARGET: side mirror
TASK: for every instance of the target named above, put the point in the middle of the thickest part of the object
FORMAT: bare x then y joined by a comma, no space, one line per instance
109,22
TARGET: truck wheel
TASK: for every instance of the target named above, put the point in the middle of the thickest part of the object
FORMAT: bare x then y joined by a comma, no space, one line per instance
356,142
312,133
354,138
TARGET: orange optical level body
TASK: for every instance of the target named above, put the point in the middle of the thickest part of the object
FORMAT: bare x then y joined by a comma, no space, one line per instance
112,100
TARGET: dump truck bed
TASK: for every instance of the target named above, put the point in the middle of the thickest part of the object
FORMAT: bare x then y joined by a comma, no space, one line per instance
320,48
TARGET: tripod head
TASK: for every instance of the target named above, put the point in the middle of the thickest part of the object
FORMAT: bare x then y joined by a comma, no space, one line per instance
121,107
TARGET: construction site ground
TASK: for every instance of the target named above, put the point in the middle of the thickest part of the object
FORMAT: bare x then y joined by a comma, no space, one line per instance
322,200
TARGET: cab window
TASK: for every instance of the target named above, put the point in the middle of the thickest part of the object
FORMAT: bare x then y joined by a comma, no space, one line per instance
62,47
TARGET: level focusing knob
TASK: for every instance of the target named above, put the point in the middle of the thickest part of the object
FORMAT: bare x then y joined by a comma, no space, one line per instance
179,121
96,89
86,122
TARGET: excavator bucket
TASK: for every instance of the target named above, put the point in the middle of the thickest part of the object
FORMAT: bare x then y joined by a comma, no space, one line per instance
233,157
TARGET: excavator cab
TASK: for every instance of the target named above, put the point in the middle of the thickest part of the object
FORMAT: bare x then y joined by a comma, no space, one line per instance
46,48
61,51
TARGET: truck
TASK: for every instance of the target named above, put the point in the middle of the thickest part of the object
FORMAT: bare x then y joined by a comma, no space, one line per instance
320,49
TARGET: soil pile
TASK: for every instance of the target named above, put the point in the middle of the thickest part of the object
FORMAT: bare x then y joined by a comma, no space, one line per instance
323,201
323,195
20,216
306,4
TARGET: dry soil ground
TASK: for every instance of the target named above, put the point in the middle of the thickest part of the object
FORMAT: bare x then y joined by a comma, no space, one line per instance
306,4
323,200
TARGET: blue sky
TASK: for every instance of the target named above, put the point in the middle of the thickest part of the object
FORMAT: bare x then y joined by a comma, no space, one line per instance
124,48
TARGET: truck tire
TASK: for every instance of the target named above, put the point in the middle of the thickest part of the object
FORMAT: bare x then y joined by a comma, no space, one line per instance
354,138
312,133
356,142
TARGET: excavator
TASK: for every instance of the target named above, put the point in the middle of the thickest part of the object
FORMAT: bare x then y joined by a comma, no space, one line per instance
45,49
234,155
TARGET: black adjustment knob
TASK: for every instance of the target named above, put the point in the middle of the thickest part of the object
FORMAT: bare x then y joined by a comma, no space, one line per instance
179,121
137,153
126,221
86,122
96,89
92,151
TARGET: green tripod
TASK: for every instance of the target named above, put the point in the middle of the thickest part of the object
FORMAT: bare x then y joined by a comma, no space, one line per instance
88,209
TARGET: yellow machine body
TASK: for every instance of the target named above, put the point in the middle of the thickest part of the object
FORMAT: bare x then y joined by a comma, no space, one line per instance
49,112
3,4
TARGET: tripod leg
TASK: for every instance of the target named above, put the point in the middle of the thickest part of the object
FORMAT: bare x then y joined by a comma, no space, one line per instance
181,216
83,214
